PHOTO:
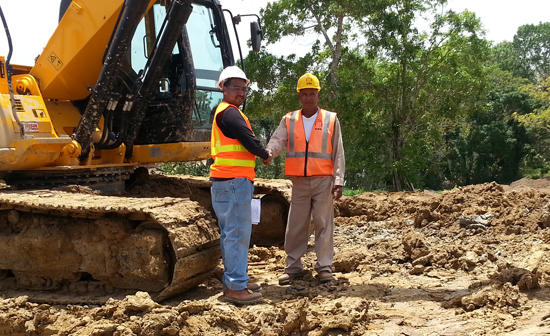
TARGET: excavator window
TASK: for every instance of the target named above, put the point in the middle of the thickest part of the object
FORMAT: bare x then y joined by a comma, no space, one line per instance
146,35
205,47
205,50
207,59
197,52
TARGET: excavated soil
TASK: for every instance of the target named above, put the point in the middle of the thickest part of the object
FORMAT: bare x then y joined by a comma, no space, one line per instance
468,261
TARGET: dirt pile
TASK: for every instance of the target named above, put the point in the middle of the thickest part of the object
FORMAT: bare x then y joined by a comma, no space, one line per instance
468,261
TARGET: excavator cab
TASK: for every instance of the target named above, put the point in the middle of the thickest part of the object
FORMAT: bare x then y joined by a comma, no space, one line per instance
187,91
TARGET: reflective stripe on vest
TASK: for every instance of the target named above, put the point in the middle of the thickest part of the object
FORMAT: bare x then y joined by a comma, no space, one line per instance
311,158
231,158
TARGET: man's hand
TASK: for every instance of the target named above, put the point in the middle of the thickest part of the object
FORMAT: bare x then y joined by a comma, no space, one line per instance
268,161
336,192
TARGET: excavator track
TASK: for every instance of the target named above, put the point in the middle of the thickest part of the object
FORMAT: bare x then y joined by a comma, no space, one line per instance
160,237
51,238
106,179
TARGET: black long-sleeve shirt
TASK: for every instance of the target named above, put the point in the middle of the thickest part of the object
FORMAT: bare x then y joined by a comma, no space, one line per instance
233,126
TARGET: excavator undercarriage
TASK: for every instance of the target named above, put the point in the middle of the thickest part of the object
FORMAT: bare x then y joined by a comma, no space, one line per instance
49,238
73,238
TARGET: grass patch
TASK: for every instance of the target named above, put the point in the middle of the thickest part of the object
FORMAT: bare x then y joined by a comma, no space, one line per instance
195,168
351,192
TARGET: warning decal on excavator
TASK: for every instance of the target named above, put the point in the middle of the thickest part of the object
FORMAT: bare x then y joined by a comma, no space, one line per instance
155,151
55,61
30,127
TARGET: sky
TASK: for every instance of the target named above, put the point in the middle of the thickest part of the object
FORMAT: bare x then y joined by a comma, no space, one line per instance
31,28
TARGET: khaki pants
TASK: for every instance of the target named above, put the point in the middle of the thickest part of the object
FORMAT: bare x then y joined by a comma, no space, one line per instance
311,197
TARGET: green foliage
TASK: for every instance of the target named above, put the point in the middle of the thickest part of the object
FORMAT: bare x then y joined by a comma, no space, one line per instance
195,168
276,170
532,44
329,20
416,107
528,56
506,57
536,173
537,124
490,145
402,87
351,192
297,17
366,161
489,150
276,79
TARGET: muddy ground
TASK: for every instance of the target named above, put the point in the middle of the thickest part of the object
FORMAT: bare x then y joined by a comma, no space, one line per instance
468,261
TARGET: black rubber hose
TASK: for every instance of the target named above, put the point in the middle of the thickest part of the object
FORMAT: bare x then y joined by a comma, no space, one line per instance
63,6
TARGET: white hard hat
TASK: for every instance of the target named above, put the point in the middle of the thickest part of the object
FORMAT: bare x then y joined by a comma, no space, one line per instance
231,72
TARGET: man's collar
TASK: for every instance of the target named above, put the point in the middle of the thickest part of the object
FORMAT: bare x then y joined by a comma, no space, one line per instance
301,112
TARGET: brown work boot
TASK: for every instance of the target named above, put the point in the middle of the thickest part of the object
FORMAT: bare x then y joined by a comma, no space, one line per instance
242,297
286,278
254,286
325,276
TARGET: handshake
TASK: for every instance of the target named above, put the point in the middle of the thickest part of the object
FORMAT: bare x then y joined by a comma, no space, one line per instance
268,161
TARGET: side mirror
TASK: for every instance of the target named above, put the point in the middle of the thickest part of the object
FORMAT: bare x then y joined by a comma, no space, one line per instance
256,35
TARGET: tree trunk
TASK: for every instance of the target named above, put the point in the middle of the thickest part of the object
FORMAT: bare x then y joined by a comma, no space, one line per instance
396,148
336,55
397,134
335,49
397,181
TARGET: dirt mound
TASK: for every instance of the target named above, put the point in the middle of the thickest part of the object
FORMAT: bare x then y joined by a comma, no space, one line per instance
524,183
468,261
507,211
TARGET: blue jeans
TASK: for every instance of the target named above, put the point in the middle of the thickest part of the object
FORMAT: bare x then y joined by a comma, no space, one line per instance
231,202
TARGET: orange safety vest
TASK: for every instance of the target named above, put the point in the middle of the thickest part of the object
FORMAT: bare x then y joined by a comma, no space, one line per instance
311,158
231,159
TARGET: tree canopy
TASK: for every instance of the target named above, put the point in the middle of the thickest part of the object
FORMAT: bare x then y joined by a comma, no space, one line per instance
417,106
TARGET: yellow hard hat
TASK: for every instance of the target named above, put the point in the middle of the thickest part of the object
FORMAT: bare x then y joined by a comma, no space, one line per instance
308,81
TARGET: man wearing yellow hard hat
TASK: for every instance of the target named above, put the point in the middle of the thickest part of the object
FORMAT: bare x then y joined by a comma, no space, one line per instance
315,162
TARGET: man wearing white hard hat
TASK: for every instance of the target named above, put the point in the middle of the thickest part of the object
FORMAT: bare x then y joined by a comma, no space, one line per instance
234,149
315,162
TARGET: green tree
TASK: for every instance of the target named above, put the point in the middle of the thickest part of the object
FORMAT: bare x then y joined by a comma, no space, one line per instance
393,93
418,82
329,19
537,123
275,81
528,55
532,45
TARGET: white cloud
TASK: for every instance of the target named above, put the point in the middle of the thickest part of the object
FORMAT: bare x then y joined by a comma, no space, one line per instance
501,19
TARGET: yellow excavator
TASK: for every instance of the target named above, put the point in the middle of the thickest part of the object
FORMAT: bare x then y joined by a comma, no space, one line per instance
119,86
